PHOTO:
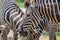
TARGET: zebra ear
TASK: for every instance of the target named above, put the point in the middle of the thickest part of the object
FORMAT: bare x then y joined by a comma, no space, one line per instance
26,3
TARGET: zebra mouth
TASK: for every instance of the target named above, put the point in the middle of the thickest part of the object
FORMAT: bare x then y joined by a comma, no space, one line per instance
23,33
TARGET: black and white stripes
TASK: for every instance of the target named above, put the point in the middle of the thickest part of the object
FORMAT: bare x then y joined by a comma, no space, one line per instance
50,8
37,17
12,13
32,21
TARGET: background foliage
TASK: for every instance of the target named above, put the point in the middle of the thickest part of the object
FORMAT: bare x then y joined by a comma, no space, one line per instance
20,3
20,0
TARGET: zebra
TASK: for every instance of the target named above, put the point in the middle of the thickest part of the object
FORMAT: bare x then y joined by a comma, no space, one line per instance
29,23
12,16
49,9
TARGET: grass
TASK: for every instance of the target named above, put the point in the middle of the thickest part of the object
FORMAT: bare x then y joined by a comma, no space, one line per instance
20,4
58,34
47,36
58,37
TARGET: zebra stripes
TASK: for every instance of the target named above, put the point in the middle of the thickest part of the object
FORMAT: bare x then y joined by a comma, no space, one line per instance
32,21
50,8
35,18
38,17
12,13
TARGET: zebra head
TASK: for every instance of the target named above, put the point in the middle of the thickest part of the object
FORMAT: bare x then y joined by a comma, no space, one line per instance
31,24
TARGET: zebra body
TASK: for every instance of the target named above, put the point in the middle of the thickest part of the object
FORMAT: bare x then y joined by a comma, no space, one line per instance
12,13
44,6
50,8
46,12
12,16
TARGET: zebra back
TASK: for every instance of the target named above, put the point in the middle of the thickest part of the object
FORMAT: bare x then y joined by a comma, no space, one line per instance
12,14
50,8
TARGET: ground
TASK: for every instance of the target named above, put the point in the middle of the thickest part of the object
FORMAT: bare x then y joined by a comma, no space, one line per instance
43,37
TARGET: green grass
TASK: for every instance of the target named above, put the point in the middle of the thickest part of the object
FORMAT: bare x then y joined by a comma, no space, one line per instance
58,34
20,4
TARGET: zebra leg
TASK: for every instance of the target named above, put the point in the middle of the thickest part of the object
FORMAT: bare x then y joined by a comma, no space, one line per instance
15,35
52,30
5,32
52,34
55,37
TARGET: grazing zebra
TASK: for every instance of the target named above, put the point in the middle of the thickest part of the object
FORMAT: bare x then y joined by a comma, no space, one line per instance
50,8
47,18
29,23
12,16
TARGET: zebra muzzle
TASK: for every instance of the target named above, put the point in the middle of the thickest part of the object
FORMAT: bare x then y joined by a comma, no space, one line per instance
23,33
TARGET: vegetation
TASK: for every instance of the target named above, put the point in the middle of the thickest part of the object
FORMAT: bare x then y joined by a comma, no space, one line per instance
20,3
47,35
